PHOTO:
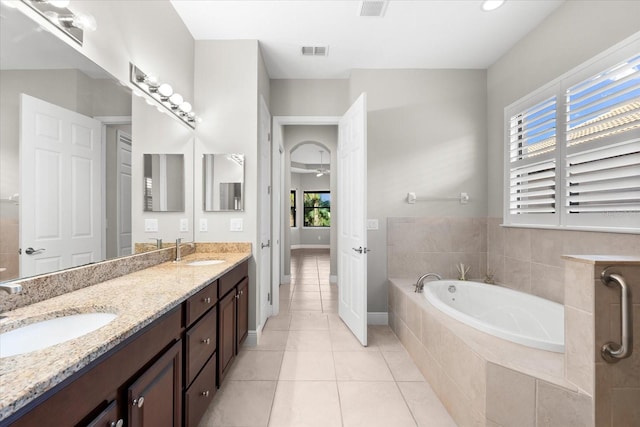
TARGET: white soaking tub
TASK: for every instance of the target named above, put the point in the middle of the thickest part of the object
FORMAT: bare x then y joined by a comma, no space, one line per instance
502,312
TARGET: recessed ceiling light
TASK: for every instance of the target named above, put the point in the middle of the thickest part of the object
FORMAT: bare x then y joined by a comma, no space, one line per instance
490,5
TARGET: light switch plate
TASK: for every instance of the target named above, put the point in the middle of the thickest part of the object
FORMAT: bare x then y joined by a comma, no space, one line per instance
150,225
235,224
204,224
184,224
372,224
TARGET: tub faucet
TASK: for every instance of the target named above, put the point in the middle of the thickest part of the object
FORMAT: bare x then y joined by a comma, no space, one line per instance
11,288
178,241
420,282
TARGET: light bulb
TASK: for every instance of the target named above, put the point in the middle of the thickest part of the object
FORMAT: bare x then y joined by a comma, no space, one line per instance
52,16
151,80
490,5
176,99
199,119
59,3
185,107
85,22
165,90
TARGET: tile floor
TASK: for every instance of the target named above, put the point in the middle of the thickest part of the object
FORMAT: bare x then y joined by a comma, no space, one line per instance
309,370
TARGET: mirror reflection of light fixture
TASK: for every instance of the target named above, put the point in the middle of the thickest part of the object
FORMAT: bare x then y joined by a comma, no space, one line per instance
162,93
72,23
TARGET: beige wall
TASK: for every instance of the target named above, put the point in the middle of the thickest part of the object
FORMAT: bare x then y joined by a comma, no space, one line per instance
426,134
227,78
309,97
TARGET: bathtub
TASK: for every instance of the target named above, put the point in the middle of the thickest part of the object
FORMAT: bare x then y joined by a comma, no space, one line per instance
502,312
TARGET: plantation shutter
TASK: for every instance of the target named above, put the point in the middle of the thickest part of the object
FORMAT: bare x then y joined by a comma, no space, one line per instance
532,164
602,166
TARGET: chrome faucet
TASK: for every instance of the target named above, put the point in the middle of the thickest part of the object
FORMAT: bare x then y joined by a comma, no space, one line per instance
158,242
420,283
11,288
178,241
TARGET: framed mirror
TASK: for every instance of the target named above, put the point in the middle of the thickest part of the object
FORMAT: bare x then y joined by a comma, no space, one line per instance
163,183
223,182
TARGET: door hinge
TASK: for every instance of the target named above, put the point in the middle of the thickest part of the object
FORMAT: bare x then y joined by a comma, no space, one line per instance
269,136
269,296
269,189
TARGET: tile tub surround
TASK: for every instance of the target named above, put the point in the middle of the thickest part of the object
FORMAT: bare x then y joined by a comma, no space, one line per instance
416,245
481,379
138,298
593,319
530,259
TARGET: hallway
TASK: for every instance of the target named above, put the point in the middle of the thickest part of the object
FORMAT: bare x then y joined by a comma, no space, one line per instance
309,370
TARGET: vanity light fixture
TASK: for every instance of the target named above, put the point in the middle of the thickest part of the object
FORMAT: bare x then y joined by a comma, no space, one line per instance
163,94
72,23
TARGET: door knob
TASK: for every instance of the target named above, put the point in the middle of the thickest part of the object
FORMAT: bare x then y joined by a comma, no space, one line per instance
31,251
359,250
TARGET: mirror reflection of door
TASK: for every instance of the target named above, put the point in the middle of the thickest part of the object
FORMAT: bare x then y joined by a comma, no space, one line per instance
223,181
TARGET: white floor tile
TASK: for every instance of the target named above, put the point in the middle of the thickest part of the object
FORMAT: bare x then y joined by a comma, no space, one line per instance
373,404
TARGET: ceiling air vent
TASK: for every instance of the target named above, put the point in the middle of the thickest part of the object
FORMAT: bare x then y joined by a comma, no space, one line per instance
314,50
373,7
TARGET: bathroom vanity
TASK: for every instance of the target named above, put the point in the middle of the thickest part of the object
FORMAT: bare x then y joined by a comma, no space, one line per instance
159,363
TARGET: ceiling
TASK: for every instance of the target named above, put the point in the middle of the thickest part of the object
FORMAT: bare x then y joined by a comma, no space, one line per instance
411,34
305,158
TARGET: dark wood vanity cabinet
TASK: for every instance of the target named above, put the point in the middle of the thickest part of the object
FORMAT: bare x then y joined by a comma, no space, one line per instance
165,375
233,312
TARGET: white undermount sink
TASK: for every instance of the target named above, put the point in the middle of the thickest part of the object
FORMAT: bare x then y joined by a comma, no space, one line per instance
46,333
206,262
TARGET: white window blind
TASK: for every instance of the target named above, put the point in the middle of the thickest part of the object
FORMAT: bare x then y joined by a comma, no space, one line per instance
573,148
532,163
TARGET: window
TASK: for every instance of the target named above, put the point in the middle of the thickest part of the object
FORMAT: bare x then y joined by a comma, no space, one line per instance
317,209
573,150
292,215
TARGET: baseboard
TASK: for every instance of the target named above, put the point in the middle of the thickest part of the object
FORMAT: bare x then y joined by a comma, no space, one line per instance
333,279
252,338
381,318
310,246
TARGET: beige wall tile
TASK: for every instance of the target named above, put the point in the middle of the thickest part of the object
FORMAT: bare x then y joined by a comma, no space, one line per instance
579,285
517,243
547,246
511,397
414,312
517,274
547,282
495,236
625,407
427,410
495,266
579,342
602,394
560,407
468,234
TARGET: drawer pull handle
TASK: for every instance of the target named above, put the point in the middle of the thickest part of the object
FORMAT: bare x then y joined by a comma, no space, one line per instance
206,341
206,300
138,402
118,423
205,393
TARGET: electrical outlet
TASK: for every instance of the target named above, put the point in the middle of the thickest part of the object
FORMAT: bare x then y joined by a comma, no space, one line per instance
150,225
235,224
184,224
204,224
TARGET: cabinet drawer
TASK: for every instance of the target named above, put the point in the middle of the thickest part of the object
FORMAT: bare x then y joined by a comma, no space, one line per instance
229,280
201,302
200,344
199,396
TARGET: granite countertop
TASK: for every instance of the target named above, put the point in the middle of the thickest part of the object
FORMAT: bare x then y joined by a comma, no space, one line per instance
138,299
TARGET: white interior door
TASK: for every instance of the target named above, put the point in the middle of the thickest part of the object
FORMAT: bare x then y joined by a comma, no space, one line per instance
264,279
124,194
60,181
352,218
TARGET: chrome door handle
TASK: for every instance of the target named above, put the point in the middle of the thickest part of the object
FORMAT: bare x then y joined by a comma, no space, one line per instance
262,245
31,251
361,250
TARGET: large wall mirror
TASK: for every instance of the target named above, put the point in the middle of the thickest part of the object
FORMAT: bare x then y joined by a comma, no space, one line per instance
223,182
48,90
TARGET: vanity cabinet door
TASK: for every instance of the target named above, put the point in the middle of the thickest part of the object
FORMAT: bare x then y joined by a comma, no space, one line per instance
243,312
108,417
227,333
200,343
199,395
155,397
